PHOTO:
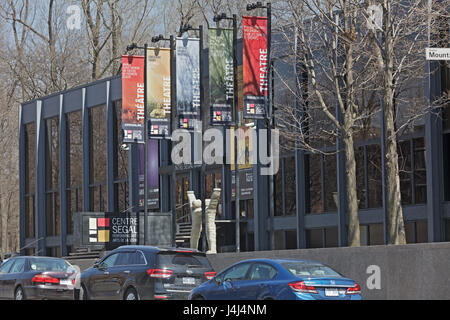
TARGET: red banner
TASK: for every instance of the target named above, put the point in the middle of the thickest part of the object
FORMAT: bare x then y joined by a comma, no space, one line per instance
133,98
255,65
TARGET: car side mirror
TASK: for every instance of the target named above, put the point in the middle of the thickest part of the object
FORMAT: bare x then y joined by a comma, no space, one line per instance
218,281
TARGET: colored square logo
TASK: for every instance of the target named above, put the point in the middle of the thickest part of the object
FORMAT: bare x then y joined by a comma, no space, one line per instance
103,235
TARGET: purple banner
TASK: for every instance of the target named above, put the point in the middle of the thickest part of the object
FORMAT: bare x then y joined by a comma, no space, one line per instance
152,174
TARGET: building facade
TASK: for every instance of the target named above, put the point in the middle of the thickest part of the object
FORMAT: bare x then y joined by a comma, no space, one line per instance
72,160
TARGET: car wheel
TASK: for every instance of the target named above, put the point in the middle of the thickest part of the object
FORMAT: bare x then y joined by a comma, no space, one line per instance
131,294
19,294
83,294
198,298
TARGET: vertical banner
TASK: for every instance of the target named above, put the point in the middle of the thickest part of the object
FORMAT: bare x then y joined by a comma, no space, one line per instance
188,82
133,99
158,92
221,84
152,174
255,64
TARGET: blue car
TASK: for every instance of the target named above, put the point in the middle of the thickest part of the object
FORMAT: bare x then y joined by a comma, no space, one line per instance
278,279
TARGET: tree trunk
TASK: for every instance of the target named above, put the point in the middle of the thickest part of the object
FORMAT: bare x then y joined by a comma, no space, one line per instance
395,224
352,198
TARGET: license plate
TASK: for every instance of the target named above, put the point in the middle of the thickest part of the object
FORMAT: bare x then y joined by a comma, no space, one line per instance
65,282
188,280
331,292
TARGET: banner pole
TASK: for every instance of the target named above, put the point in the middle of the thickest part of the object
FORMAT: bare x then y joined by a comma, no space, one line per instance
145,146
236,149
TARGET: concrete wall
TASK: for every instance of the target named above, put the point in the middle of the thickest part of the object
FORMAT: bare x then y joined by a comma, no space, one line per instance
414,271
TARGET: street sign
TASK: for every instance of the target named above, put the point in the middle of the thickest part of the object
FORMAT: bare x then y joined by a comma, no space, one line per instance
437,53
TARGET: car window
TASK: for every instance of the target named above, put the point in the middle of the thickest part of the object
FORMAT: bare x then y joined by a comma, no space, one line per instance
49,264
18,267
307,269
110,261
182,260
139,258
4,268
125,259
262,271
237,272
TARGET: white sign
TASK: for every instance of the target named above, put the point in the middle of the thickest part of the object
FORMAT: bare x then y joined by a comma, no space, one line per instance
437,53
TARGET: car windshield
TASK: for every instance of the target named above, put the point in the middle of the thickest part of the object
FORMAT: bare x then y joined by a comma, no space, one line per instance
182,259
50,265
313,270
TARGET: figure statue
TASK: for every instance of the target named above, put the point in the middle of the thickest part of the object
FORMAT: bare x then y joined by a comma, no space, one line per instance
196,223
211,210
196,214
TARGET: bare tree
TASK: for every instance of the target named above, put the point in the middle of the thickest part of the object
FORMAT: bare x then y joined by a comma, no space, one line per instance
329,52
399,45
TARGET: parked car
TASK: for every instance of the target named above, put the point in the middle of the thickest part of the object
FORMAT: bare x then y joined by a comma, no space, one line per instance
144,272
36,278
277,279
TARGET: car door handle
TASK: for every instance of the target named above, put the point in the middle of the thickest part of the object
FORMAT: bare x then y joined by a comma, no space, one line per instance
127,271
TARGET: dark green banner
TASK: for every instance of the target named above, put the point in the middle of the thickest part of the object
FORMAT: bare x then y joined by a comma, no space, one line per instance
221,75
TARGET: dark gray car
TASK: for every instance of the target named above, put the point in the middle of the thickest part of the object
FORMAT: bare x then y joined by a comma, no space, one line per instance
144,272
36,278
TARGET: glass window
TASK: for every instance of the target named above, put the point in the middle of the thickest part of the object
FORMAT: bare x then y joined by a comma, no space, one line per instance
290,186
19,266
262,271
74,132
122,196
278,240
29,216
237,272
314,183
139,258
404,166
374,176
74,204
182,202
331,237
291,239
74,158
307,269
314,238
30,158
30,182
45,264
447,229
6,266
376,234
360,177
52,154
278,179
110,261
330,182
125,259
97,144
121,171
182,259
422,231
420,171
